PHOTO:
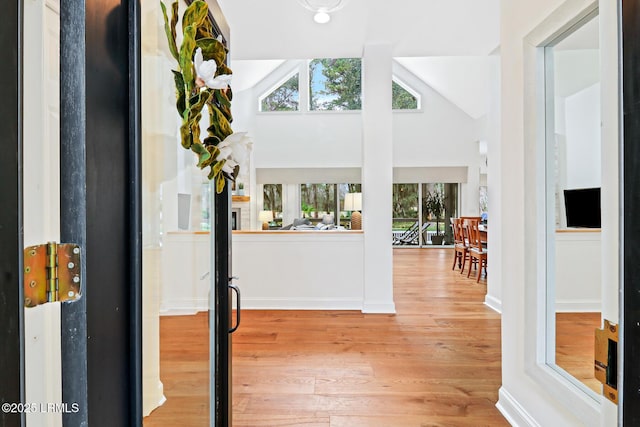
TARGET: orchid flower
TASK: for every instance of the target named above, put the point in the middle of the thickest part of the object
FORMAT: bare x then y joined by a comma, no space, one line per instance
206,71
235,150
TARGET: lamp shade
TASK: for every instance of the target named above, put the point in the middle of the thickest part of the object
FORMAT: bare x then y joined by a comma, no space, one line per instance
265,216
353,202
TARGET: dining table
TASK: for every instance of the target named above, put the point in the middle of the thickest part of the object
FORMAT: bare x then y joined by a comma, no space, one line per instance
483,233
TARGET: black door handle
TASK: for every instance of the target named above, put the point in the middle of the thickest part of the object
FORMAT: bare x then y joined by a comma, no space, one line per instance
237,290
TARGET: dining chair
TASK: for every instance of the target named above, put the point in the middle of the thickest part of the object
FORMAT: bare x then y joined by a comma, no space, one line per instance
476,251
460,245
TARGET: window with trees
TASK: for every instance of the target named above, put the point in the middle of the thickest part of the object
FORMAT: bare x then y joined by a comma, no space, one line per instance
284,98
272,201
335,84
317,200
406,214
421,213
402,99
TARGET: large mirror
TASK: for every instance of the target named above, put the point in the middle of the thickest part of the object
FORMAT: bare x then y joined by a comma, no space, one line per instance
573,184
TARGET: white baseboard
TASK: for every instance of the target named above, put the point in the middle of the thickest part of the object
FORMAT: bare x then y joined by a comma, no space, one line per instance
186,308
579,306
181,311
183,307
515,414
493,303
301,304
379,307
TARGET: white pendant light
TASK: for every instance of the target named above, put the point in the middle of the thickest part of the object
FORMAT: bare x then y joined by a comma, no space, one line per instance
322,17
322,8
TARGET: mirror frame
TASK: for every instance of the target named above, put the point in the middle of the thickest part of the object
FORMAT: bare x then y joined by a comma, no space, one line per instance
585,406
550,204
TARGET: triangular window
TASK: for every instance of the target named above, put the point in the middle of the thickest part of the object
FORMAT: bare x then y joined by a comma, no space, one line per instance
402,99
284,98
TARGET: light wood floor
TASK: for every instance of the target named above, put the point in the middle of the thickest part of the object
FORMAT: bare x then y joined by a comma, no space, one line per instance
574,346
435,363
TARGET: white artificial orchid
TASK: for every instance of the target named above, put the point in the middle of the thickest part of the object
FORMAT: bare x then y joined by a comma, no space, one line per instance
235,150
206,71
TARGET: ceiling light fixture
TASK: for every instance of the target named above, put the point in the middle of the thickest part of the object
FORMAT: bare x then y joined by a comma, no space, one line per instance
322,17
322,8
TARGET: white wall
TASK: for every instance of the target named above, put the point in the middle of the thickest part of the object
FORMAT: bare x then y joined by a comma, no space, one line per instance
578,271
439,134
291,270
582,118
320,270
533,393
312,139
159,141
494,184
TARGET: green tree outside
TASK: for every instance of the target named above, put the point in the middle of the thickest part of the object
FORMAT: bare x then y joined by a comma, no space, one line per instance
401,99
284,98
342,86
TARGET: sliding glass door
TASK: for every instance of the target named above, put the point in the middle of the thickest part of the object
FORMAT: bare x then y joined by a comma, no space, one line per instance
421,213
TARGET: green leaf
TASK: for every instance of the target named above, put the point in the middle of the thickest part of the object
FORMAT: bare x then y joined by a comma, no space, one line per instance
174,18
220,183
220,126
222,99
216,169
186,57
203,154
213,150
223,104
213,49
195,15
180,95
195,128
223,69
197,103
213,153
170,30
185,135
211,141
205,31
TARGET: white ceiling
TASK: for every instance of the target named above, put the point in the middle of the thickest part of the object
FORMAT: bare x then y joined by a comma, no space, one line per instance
283,29
465,80
443,42
247,74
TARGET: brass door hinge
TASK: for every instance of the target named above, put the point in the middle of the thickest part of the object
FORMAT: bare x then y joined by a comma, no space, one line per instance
51,273
606,360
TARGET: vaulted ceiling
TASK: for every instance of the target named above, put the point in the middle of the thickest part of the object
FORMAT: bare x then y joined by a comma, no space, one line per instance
422,32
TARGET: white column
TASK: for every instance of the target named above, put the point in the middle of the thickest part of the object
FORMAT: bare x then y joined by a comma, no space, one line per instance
610,138
494,187
377,178
471,192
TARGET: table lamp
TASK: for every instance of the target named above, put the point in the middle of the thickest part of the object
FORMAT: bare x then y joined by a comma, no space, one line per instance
353,202
265,217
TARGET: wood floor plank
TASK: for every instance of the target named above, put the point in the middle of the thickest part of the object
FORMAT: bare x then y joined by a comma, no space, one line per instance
575,346
437,362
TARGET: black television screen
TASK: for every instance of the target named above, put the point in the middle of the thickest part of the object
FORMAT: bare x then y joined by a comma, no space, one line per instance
583,207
